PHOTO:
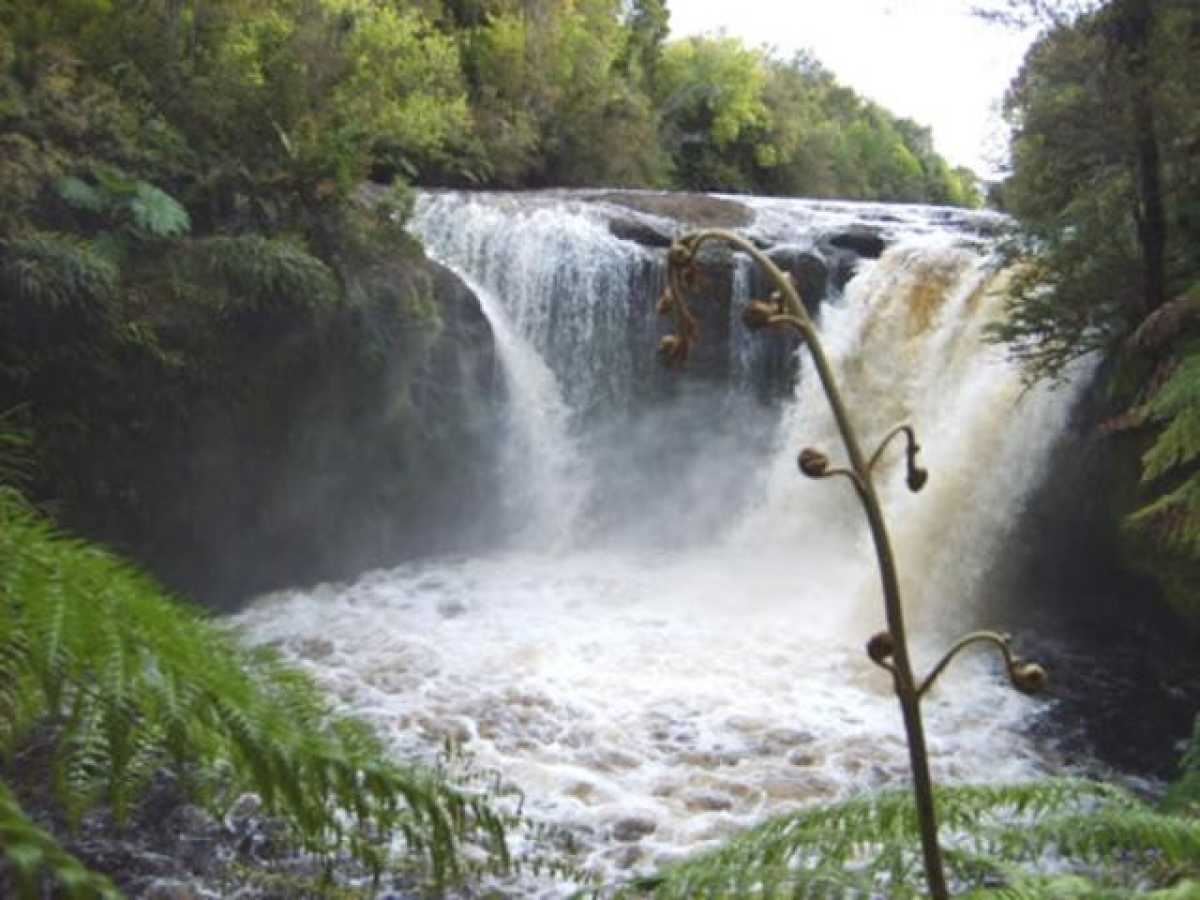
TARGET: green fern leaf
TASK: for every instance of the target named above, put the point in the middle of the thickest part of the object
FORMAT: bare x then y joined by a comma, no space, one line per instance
1178,444
1173,516
16,448
133,681
31,853
48,270
158,213
262,273
995,837
81,195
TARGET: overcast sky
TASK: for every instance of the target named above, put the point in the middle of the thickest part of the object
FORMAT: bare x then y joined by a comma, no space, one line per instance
927,60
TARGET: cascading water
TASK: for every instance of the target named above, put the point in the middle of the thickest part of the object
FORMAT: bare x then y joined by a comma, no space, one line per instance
654,695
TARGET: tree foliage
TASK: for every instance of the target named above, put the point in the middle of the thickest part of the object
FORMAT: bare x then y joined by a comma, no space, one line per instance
1103,176
743,120
1104,182
267,106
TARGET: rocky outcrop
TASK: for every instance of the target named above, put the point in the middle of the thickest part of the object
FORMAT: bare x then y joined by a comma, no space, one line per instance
360,437
861,239
652,220
170,849
640,231
809,273
709,300
689,210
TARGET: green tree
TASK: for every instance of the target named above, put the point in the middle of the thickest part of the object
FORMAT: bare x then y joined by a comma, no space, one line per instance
1092,111
554,102
1104,183
711,93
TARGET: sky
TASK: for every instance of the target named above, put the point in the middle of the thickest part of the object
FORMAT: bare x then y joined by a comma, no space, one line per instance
927,60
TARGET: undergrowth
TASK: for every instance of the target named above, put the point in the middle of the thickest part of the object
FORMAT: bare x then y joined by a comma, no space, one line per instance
129,682
1055,838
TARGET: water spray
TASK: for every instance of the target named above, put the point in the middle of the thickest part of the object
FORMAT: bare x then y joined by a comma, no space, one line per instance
887,649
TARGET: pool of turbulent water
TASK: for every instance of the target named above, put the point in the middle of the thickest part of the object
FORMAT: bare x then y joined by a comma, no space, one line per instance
649,706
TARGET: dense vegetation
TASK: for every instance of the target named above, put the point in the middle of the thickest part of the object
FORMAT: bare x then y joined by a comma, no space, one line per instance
1106,184
113,683
197,314
591,93
290,103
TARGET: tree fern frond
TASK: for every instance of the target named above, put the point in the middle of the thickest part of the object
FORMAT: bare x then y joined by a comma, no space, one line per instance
16,448
55,271
31,854
82,761
996,837
1174,517
81,195
1178,403
1184,795
157,212
261,273
131,681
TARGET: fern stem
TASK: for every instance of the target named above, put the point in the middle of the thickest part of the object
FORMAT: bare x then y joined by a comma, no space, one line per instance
795,316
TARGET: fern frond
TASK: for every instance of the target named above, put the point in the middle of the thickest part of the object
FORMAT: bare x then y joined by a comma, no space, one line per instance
81,195
157,212
32,854
1177,403
56,271
16,448
130,681
261,273
1177,445
995,837
1184,795
1173,516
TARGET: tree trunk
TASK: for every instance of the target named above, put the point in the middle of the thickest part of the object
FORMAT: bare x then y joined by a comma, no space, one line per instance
1152,219
1132,32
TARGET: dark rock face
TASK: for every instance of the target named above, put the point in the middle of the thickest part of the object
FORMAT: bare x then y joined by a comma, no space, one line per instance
809,273
639,231
170,849
842,265
690,210
365,443
1065,584
861,239
709,299
776,366
711,295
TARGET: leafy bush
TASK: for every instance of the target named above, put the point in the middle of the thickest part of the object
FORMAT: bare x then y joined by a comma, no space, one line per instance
147,210
1184,795
1175,514
49,272
263,273
128,681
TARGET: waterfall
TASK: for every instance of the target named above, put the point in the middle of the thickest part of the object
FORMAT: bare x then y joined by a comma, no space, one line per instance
670,645
567,302
907,346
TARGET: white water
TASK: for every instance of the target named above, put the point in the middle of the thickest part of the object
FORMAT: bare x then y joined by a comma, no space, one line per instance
654,698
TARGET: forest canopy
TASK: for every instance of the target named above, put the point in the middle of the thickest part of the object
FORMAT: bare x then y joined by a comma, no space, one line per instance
219,97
